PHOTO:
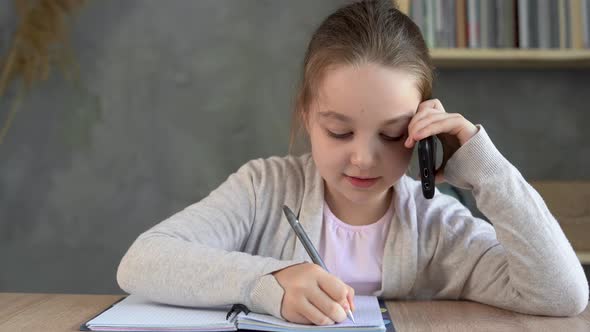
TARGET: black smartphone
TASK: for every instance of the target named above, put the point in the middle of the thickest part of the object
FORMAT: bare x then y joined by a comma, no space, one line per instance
426,161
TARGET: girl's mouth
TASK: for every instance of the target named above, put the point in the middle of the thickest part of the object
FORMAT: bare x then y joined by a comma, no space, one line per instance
361,182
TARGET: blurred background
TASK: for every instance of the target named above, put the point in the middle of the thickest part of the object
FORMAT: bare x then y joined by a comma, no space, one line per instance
169,98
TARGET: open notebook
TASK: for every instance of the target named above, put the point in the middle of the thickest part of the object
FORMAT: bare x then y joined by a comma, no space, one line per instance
135,313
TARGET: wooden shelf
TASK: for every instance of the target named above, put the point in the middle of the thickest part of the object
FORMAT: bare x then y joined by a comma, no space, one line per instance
510,58
584,257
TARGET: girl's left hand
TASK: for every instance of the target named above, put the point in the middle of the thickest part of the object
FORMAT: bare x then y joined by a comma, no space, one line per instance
452,129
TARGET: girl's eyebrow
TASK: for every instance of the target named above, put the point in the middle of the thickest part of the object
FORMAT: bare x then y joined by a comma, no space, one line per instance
343,118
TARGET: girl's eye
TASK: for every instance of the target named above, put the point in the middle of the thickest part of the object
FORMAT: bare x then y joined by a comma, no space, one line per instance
339,136
392,139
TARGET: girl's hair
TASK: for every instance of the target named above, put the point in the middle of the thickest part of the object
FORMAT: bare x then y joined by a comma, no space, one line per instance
369,31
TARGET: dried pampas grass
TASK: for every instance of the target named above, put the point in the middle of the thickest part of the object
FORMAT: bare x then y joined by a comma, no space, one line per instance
40,41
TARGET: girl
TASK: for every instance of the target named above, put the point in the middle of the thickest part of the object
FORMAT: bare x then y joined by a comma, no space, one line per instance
363,103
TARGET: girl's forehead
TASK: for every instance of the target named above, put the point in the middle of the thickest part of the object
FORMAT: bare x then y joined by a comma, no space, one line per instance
368,90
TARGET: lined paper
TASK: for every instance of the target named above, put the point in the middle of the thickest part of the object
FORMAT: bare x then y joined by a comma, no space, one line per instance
366,315
135,313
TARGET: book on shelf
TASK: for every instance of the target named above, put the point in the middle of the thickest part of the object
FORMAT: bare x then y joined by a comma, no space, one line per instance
493,24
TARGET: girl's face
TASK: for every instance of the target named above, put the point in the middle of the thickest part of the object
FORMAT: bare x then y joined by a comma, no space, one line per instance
357,127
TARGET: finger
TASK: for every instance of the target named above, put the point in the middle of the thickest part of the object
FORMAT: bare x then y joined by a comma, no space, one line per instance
350,298
450,124
410,142
432,103
421,115
334,287
315,315
435,117
299,319
334,310
412,138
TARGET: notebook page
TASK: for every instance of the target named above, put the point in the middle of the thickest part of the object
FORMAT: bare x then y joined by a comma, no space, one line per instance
367,314
137,312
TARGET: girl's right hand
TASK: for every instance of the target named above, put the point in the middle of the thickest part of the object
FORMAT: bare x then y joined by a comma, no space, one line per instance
313,296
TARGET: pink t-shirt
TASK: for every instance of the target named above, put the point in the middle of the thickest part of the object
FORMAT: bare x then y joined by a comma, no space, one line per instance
355,253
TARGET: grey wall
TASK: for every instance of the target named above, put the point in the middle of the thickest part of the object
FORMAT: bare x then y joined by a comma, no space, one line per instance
172,97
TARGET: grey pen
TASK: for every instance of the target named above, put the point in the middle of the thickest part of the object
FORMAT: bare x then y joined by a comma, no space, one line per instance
311,251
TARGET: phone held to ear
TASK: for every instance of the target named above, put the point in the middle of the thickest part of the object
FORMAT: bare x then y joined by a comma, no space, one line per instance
426,161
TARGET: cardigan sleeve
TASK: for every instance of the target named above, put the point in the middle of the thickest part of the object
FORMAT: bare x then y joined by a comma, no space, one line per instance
523,263
195,257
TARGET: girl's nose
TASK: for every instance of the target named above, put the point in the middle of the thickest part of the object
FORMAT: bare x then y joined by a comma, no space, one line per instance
363,157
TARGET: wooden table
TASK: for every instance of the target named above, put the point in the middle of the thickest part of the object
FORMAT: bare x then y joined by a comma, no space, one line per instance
62,312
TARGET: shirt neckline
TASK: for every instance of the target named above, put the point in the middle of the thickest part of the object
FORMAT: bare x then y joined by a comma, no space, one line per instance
328,214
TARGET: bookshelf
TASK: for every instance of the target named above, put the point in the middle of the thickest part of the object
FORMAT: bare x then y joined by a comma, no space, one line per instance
540,34
510,58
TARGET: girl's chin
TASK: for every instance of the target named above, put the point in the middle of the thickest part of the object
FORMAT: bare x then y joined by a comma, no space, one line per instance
360,197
